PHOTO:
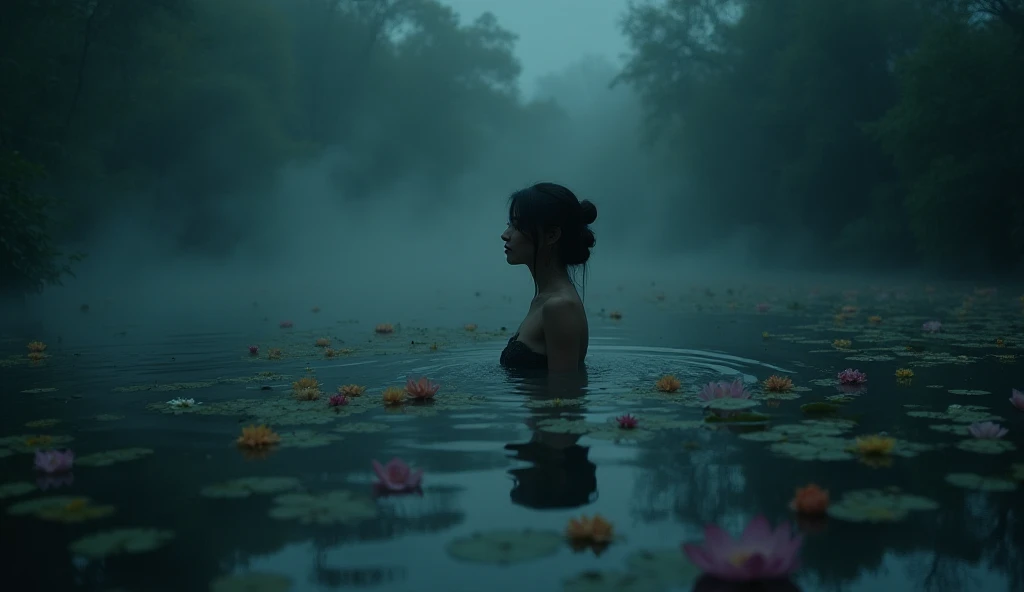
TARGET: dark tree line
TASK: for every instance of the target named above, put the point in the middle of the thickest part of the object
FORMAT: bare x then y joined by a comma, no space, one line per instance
878,131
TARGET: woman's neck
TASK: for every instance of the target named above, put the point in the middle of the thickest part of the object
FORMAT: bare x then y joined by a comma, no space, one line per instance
550,278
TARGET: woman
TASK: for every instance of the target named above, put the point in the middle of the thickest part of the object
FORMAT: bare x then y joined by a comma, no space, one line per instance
549,232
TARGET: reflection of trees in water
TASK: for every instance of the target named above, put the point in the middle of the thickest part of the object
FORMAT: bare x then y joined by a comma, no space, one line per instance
715,484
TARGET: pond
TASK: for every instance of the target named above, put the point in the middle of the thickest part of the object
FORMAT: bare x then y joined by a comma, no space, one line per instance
175,485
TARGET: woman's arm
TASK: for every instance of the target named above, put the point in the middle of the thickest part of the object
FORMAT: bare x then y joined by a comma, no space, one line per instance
563,326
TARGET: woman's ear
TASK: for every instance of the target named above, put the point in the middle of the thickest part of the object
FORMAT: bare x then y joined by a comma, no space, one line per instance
552,234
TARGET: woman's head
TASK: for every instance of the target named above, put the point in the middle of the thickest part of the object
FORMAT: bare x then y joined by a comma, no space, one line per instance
547,223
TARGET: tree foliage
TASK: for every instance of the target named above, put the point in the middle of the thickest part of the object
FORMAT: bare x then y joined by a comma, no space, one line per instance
874,130
183,108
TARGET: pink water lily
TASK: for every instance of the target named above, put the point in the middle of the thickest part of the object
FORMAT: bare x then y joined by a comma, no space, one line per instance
422,388
723,390
627,422
254,350
54,461
758,554
1017,399
397,475
852,377
987,430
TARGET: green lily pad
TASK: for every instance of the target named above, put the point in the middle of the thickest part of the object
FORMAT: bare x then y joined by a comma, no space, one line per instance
730,404
247,486
110,457
612,581
821,448
970,392
876,505
564,426
59,508
42,423
819,408
37,391
506,547
307,439
119,541
334,507
4,453
950,428
979,482
1017,471
15,489
742,417
253,581
362,427
668,566
108,417
983,446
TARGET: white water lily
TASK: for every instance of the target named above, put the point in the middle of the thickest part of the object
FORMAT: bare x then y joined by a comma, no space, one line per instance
180,402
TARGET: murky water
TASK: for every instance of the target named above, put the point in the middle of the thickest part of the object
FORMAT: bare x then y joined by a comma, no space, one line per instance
509,459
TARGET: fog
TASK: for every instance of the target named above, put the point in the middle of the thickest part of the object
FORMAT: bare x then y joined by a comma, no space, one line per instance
346,226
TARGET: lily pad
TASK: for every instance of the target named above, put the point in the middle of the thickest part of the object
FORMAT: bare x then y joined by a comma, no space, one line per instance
612,581
362,427
950,428
109,457
4,453
253,581
108,417
983,446
822,448
668,566
42,423
37,391
819,408
740,417
970,392
15,489
979,482
506,547
247,486
1018,471
122,540
334,507
730,404
877,505
59,508
307,439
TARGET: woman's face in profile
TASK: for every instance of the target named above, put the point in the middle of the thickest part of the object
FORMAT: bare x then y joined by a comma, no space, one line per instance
518,246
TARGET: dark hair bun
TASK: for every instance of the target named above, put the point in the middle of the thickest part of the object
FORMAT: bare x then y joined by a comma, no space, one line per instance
589,211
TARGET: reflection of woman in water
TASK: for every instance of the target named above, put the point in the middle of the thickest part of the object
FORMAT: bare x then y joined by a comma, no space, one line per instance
549,232
561,476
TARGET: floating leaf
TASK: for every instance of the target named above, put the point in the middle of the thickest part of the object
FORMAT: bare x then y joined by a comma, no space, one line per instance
979,482
105,459
247,486
362,427
60,508
122,540
1018,471
668,566
15,489
950,428
984,446
42,423
612,581
334,507
877,505
37,391
506,547
968,392
819,408
823,448
108,417
741,417
730,404
307,439
253,581
4,453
